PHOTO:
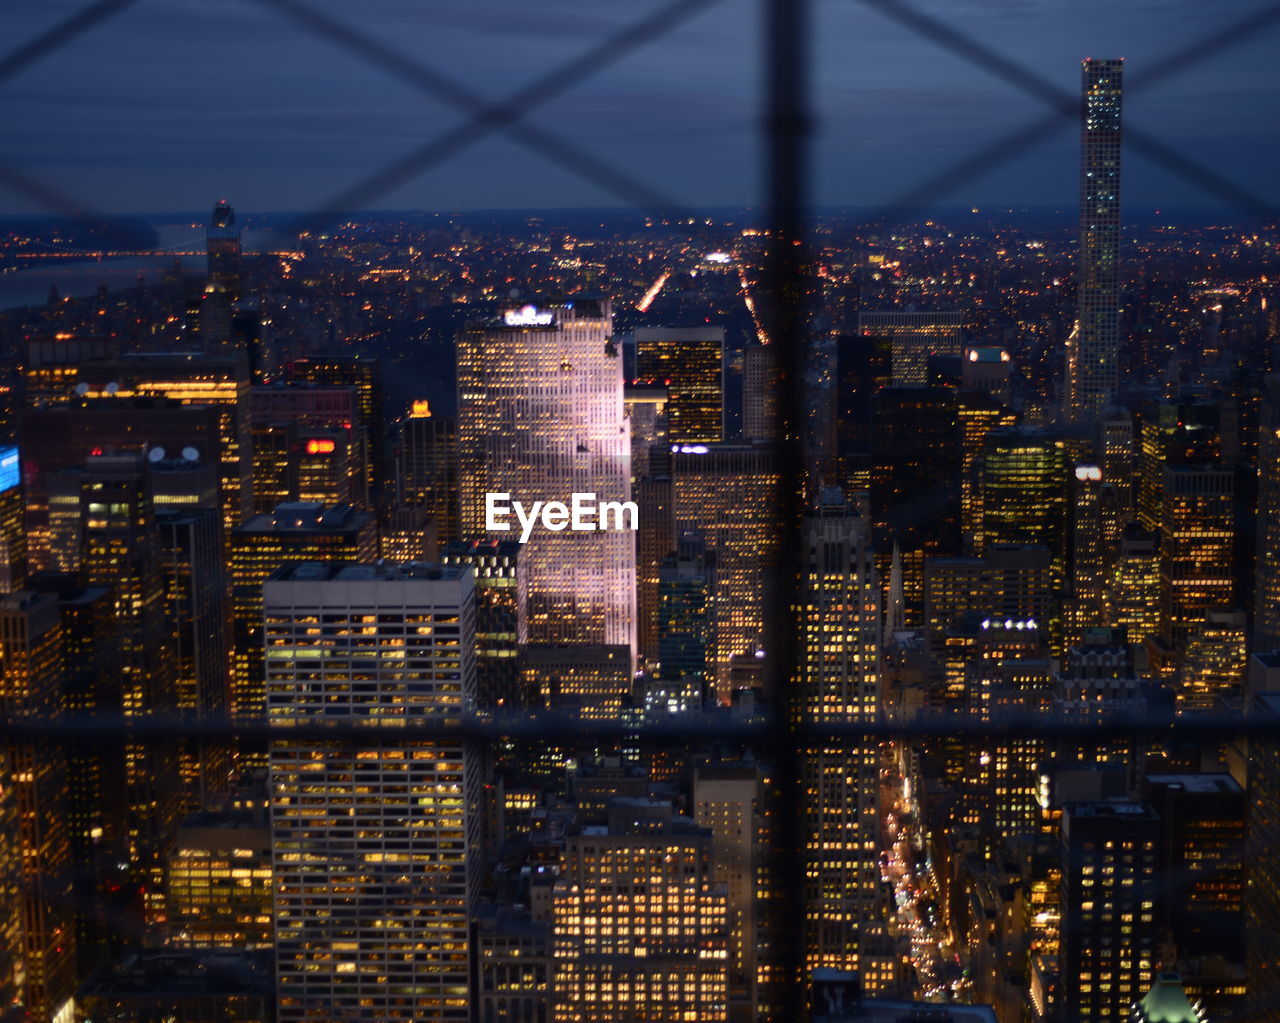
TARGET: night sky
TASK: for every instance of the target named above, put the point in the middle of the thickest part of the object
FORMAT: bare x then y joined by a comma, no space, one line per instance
174,103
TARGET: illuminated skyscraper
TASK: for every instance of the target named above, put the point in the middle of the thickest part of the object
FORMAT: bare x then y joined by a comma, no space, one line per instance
590,678
219,882
686,624
1094,349
13,531
727,801
840,685
1213,671
1266,611
309,444
641,930
725,493
427,467
914,337
1109,892
220,383
63,436
540,417
1133,595
365,375
501,617
292,533
374,843
689,362
978,414
31,686
222,243
196,608
120,549
1197,539
760,387
1024,492
1262,899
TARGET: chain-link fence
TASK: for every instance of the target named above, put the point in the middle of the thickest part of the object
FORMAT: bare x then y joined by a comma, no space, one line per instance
786,141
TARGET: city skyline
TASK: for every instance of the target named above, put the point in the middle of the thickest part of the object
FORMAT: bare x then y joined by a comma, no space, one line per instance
928,668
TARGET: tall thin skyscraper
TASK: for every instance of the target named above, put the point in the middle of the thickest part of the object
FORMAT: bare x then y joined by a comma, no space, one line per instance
1266,609
540,417
374,842
840,674
1093,351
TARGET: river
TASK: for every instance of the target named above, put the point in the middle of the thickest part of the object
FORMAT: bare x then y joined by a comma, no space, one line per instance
30,285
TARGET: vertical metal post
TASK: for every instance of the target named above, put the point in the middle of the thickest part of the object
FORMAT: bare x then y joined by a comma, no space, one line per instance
786,136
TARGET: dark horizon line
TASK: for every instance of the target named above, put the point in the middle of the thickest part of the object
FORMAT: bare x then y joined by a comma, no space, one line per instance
869,213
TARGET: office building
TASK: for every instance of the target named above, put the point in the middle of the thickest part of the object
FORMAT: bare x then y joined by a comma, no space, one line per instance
1024,492
222,246
914,338
728,803
220,383
198,617
1212,676
219,881
540,417
312,441
31,673
163,984
728,494
689,362
1094,349
64,436
96,788
686,621
120,549
1197,540
591,680
1266,610
640,923
1262,899
427,467
915,486
365,376
840,679
374,843
501,617
293,533
13,533
1109,891
761,383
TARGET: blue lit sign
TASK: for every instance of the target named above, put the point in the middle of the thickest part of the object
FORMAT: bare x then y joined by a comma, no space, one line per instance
10,476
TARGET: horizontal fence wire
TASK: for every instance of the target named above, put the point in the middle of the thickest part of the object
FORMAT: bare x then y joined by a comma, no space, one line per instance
685,728
783,732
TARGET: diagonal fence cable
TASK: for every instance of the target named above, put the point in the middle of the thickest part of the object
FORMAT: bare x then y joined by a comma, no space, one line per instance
1066,108
485,118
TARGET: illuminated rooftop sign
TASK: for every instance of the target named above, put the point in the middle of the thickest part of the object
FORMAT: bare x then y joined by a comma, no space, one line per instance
9,473
527,316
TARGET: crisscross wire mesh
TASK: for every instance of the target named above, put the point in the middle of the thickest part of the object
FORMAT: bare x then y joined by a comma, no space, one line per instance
785,138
